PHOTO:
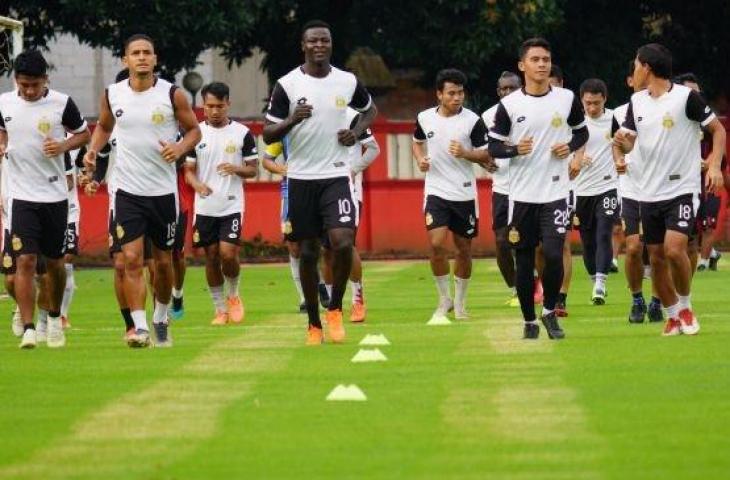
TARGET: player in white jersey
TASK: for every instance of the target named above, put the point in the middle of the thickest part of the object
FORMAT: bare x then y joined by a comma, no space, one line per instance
629,168
33,123
364,153
146,114
447,142
216,168
595,188
508,82
663,122
309,107
538,127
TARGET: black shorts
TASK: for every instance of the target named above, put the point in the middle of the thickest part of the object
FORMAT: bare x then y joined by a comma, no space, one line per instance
182,227
500,210
38,228
72,238
708,212
325,239
589,208
676,214
571,222
209,230
152,217
460,217
116,247
631,217
533,222
320,205
9,264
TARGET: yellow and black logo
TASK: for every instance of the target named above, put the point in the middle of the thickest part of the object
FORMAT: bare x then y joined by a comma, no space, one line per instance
158,117
340,101
7,261
17,243
576,221
513,236
196,236
230,147
667,121
557,121
120,231
286,227
429,219
44,125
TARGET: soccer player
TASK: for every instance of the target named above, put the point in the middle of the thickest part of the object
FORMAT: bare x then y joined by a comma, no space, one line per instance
595,188
72,237
144,113
709,208
447,142
507,83
364,153
663,122
309,107
629,168
34,121
216,168
538,127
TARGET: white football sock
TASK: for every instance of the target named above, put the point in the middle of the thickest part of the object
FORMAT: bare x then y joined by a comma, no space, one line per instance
294,266
460,287
232,286
218,301
442,285
139,317
160,313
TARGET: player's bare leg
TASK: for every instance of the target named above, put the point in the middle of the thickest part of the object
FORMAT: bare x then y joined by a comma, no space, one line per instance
440,268
462,274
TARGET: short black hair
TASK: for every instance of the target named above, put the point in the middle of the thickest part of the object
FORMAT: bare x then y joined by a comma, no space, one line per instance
450,75
122,75
218,89
686,77
556,72
138,36
508,74
533,42
594,85
658,58
315,24
30,63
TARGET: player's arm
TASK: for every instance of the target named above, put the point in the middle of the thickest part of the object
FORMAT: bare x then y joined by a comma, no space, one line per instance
279,119
372,149
250,156
76,127
271,153
479,137
697,110
577,122
185,116
418,146
625,137
102,132
363,103
499,146
3,141
191,175
619,158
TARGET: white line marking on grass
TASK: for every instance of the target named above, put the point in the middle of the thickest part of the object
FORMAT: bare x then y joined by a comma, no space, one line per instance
166,420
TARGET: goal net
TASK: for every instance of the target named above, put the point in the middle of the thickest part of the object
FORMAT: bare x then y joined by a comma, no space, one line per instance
11,42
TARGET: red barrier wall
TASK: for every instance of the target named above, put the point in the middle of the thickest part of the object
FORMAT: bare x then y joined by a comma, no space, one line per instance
392,219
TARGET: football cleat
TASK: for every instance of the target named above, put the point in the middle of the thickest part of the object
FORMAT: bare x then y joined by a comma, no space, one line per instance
315,336
531,331
357,313
654,312
550,322
688,323
221,318
55,338
140,339
713,261
334,325
637,313
235,309
29,339
671,328
599,296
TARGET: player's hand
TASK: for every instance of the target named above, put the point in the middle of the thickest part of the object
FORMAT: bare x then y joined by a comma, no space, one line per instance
301,112
171,151
623,140
621,166
91,188
524,146
424,163
226,169
574,167
346,137
704,165
586,161
714,180
53,148
202,189
456,149
3,150
90,160
490,165
83,179
560,150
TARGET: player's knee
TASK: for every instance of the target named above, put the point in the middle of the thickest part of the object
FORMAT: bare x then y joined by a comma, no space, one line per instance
26,264
634,248
309,254
553,253
674,251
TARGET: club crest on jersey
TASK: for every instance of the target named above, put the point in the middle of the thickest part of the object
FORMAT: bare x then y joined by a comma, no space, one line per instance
557,121
196,236
44,125
286,227
158,117
230,147
340,101
17,243
120,231
7,261
429,219
608,135
667,121
576,221
513,236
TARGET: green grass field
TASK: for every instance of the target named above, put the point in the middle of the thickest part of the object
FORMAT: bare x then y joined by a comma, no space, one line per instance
465,401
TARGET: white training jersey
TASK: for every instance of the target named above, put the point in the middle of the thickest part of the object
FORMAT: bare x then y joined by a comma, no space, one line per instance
4,196
31,175
449,177
74,206
314,151
356,153
600,175
143,120
233,144
667,130
549,119
500,178
628,183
